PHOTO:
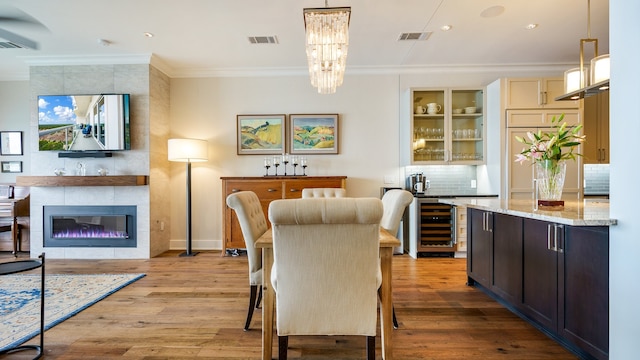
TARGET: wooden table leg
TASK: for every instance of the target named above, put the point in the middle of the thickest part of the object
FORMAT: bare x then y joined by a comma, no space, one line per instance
386,304
14,236
268,303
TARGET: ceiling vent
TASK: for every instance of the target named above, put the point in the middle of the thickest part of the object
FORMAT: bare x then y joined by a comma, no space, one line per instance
9,40
263,39
415,36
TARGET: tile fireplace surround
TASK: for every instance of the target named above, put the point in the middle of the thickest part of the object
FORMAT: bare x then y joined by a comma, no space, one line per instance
84,191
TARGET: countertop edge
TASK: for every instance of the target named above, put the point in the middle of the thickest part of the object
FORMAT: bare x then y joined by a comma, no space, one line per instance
552,216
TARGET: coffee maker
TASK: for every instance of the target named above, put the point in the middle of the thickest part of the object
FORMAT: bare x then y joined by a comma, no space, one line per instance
415,183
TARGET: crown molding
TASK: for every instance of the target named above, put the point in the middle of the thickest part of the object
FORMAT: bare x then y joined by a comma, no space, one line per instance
62,60
160,64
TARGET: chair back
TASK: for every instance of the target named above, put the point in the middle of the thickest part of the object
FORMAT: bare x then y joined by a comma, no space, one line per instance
323,193
394,201
326,265
253,224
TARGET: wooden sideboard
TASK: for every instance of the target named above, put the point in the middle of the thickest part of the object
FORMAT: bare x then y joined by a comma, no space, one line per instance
268,188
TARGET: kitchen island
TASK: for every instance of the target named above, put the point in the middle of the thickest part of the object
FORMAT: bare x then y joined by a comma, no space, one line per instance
549,267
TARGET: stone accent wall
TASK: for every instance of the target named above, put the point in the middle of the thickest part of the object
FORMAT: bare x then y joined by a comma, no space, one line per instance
149,104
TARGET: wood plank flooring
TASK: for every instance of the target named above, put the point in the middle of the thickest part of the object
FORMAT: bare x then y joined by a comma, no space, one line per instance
194,308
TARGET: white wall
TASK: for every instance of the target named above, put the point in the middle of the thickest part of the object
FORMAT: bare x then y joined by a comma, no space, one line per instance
624,290
14,116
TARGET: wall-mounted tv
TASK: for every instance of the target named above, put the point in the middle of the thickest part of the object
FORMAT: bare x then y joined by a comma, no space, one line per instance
84,122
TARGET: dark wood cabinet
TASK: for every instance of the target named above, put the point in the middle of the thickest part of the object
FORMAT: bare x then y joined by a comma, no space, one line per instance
540,273
583,296
554,275
507,257
479,246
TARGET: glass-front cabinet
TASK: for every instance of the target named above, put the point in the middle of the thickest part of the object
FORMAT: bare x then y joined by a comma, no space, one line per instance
447,126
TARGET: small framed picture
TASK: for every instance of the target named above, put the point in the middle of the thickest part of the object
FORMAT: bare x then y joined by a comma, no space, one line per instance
313,133
11,166
10,142
261,134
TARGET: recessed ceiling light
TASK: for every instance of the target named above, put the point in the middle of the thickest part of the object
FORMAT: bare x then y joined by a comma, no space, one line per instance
445,27
148,34
531,26
492,11
104,42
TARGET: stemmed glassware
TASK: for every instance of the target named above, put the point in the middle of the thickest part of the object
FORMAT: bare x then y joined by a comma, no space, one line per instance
294,162
303,163
276,163
267,165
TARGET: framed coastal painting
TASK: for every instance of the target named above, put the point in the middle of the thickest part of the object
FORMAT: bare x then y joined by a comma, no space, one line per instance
10,142
261,134
313,133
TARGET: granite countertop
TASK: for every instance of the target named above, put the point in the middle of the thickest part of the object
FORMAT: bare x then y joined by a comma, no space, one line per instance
588,212
441,195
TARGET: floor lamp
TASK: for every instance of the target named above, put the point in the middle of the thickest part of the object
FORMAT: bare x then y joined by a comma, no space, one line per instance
188,150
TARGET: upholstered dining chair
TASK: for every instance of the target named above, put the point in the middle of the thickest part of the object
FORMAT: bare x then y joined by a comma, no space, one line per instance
326,269
253,223
394,202
323,193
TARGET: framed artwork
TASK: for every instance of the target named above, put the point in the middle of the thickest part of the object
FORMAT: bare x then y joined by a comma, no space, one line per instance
11,166
261,134
313,133
10,142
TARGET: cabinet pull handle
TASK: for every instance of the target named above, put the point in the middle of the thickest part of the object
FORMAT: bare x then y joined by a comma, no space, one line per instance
489,223
294,190
272,190
558,247
544,97
549,237
484,221
235,190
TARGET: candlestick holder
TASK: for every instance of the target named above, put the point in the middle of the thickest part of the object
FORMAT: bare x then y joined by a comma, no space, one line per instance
294,162
267,165
303,164
276,163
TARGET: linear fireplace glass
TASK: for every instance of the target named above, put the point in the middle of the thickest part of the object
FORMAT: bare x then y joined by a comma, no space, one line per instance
89,226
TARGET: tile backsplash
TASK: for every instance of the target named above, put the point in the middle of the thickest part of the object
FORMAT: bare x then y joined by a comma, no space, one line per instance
596,179
449,179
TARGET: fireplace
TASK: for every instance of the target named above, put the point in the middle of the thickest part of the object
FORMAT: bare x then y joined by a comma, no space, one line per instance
89,226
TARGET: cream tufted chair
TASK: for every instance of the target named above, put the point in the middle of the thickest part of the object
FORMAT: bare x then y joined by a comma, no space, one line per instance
253,223
323,193
394,202
326,269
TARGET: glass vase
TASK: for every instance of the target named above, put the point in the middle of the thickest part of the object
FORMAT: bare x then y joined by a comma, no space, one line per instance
549,175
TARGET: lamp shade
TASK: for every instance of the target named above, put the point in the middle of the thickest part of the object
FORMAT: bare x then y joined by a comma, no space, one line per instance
187,150
574,79
600,68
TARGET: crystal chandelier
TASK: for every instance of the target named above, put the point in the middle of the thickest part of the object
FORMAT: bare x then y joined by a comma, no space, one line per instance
327,35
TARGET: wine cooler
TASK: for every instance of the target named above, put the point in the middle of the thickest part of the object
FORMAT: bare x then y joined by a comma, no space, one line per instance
433,228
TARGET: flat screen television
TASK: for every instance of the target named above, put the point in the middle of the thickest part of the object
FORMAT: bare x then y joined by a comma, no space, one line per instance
84,123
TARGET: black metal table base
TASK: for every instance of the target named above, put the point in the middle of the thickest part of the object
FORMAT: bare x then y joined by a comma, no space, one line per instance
20,266
38,348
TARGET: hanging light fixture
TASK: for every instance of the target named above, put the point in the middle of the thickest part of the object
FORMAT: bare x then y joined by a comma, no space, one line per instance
327,40
597,71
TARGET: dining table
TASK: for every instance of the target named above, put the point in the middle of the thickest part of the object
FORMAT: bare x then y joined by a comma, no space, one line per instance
387,243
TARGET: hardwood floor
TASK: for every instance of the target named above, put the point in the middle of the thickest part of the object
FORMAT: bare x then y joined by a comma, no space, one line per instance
188,308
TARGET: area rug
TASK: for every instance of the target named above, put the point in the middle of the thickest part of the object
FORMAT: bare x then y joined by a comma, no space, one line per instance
65,296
